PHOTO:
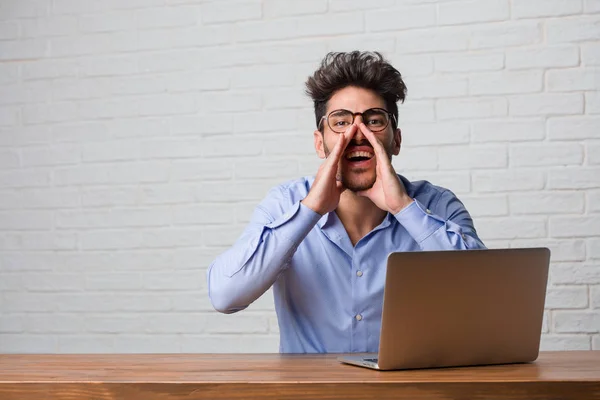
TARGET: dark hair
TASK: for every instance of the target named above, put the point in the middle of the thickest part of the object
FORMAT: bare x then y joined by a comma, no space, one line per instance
368,70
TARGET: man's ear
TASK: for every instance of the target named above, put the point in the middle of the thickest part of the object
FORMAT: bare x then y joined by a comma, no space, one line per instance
397,141
319,145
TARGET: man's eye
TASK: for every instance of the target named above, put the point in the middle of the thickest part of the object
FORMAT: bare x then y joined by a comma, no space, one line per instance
375,122
341,123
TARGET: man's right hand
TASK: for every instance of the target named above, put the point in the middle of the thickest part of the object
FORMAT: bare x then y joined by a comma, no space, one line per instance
324,195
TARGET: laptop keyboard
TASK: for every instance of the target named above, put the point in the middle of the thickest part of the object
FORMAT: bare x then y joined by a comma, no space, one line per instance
373,360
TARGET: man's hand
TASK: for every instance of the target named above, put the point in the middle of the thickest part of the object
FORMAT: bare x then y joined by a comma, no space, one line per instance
324,195
388,193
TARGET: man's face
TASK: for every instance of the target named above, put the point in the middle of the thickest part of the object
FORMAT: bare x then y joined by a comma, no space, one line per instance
358,164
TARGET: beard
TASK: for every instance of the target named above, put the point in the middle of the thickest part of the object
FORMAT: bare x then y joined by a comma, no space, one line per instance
359,179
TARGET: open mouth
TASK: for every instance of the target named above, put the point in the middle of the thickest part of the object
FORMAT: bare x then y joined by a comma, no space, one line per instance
359,156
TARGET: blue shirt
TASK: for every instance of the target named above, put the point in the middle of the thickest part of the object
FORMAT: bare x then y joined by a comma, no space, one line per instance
329,293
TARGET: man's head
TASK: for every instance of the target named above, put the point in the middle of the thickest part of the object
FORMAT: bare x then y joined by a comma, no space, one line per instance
356,82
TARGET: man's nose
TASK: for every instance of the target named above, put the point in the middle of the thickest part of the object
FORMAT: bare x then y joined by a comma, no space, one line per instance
359,136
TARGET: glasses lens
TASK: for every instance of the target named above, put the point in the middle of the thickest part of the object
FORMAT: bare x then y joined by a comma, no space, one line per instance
339,120
376,120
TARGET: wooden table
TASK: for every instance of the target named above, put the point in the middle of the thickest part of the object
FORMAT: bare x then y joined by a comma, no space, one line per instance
555,375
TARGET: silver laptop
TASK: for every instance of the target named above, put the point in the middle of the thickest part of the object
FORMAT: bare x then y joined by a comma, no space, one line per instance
460,308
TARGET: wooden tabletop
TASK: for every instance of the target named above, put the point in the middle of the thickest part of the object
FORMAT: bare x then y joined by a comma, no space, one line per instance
557,375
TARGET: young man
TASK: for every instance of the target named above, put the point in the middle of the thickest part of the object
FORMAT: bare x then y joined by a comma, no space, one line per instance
322,242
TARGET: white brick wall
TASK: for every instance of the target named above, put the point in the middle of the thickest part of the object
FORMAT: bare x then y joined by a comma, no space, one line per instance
137,136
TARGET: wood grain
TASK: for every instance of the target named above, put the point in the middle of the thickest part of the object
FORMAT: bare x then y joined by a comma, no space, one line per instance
555,375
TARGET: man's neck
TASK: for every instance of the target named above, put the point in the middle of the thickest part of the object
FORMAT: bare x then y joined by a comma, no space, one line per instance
359,215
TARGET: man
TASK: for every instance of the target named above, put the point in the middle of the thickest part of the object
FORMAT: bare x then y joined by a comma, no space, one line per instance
322,242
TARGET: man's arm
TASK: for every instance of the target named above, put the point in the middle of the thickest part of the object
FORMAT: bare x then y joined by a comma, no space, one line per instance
448,227
249,268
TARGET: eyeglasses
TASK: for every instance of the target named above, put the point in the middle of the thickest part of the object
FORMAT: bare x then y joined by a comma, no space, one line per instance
376,119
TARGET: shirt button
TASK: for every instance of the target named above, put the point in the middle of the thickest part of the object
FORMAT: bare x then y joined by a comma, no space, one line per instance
428,211
358,317
463,236
359,273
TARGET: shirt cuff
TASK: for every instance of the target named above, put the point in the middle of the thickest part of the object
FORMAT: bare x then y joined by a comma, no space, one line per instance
419,221
295,224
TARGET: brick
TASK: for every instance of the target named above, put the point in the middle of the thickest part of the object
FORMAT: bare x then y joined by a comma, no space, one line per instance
412,65
265,343
168,104
262,76
401,18
224,323
592,200
473,157
9,73
109,66
172,237
49,26
54,282
12,282
27,344
176,323
436,87
551,8
248,190
78,7
571,79
590,53
594,296
573,178
559,154
29,302
592,103
112,196
49,69
547,203
475,107
574,273
505,82
167,17
173,281
469,62
277,8
9,116
546,104
471,11
79,132
85,344
113,218
289,144
43,113
506,34
231,12
171,193
11,324
24,178
221,236
593,153
486,206
25,9
273,99
38,241
186,37
265,121
117,324
9,30
201,124
509,131
110,22
124,173
97,43
26,220
63,154
509,181
235,101
121,150
415,111
9,159
138,127
285,169
432,40
109,108
595,342
576,321
561,250
591,6
197,81
565,297
544,57
427,134
303,26
350,5
564,342
512,228
575,29
573,227
147,344
229,146
459,181
206,214
113,281
171,148
573,128
416,159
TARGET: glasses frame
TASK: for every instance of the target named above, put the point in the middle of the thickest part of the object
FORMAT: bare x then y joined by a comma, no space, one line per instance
354,114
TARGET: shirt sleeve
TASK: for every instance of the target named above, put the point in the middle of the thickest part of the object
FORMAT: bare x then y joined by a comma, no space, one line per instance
249,268
449,228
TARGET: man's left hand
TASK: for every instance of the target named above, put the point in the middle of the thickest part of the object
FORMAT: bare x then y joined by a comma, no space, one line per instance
388,193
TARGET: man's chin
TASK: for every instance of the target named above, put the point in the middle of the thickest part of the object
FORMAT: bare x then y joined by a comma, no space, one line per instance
354,186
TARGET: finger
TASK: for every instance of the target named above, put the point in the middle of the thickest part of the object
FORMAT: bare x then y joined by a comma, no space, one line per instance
342,143
377,145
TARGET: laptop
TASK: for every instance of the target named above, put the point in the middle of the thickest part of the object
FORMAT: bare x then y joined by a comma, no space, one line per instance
460,308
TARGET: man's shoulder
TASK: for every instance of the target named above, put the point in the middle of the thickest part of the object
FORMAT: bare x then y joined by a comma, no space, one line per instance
293,190
423,190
